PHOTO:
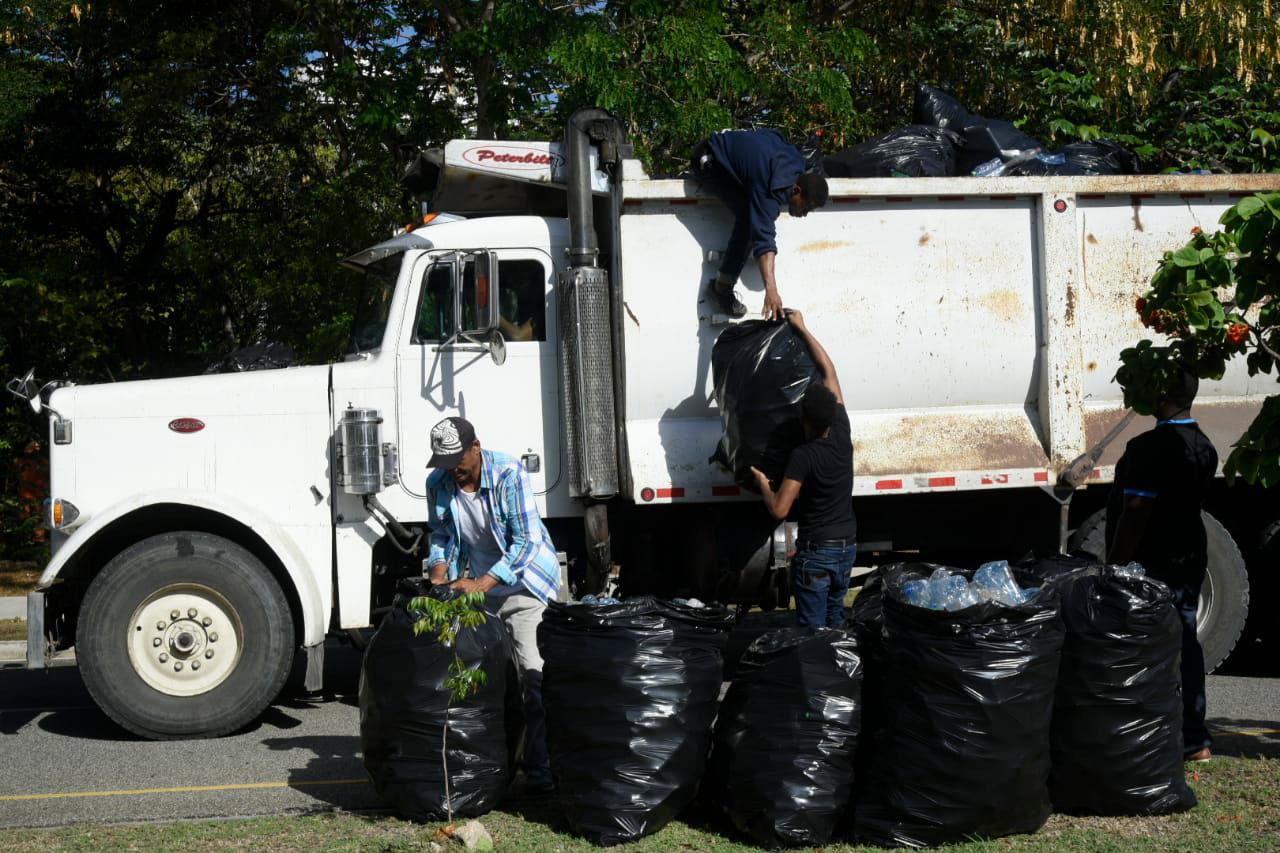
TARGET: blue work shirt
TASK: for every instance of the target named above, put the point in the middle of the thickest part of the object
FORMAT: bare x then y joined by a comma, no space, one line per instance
765,167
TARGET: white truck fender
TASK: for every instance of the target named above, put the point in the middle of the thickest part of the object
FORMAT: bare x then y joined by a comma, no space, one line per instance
282,544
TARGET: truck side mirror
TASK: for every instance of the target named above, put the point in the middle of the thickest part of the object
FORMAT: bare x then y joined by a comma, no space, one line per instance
485,296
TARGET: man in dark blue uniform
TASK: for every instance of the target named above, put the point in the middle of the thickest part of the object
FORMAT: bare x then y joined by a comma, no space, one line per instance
755,173
1153,517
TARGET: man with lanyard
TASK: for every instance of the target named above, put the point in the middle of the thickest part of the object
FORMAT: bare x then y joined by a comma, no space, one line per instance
1153,517
755,173
818,484
487,536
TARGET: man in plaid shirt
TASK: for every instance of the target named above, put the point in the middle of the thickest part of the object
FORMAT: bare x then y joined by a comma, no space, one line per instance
487,536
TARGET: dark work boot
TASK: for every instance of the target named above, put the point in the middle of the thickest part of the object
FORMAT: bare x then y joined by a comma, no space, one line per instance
728,302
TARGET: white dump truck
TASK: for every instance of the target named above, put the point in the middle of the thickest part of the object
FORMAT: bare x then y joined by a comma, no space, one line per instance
207,528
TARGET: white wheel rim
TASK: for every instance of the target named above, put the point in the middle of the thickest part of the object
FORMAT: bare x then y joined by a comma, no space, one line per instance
191,652
1205,602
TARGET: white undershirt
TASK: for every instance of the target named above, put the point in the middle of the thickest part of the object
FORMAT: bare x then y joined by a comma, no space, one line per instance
475,524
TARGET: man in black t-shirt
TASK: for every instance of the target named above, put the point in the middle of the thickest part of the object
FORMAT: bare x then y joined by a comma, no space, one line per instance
1153,517
818,486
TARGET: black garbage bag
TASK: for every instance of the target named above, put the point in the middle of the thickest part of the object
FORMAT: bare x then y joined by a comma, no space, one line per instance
935,107
969,694
1117,718
781,762
630,692
405,708
866,623
760,371
915,151
1100,157
267,355
984,138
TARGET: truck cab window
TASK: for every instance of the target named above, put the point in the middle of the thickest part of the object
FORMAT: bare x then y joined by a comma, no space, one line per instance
523,286
435,308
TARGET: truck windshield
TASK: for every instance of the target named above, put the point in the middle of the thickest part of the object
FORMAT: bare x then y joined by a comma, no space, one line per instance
376,292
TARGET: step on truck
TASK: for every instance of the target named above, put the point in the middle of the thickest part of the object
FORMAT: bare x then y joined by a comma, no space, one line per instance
207,529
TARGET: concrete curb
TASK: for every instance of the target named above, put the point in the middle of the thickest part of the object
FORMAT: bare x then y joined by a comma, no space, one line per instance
13,607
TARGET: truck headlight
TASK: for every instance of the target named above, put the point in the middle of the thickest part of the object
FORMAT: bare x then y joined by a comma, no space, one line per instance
60,514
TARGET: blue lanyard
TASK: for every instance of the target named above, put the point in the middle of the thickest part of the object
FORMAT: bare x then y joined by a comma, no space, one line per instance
1176,421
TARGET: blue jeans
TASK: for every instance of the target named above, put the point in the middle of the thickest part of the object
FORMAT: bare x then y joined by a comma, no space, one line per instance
819,582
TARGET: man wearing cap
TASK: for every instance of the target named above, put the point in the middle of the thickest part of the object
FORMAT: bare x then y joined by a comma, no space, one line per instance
487,536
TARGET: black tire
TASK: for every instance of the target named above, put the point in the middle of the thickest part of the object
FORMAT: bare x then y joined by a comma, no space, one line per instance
240,594
1224,597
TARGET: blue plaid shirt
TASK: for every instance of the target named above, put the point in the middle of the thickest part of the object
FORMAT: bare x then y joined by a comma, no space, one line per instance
528,556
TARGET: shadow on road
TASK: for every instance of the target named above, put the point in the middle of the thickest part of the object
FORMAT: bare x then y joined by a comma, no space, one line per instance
333,773
1245,738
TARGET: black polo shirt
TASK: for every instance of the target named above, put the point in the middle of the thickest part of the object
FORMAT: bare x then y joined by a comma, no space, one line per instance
1173,465
824,468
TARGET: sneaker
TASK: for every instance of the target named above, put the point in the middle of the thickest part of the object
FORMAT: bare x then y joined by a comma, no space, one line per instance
728,301
1199,756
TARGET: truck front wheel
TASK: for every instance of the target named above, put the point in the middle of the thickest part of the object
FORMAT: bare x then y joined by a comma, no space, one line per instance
183,635
1224,596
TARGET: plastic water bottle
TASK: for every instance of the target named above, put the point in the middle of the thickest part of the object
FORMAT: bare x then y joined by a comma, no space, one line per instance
915,592
936,595
994,582
1130,570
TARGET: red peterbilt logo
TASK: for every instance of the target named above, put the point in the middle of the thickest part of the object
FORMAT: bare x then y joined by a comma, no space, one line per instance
510,157
185,425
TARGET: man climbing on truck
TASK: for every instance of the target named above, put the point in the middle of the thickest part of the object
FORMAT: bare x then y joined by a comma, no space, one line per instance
1153,517
818,484
755,173
487,536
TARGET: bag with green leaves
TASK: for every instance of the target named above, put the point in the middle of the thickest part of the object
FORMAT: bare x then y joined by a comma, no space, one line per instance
433,685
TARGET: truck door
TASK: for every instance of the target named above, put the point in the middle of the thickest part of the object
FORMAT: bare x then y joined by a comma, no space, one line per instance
513,405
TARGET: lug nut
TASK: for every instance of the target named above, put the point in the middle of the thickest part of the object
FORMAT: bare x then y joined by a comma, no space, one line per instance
206,621
164,658
160,626
213,638
191,613
208,654
174,614
156,642
177,667
195,664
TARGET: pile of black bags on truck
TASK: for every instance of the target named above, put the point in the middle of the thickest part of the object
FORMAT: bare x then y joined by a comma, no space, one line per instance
945,139
955,704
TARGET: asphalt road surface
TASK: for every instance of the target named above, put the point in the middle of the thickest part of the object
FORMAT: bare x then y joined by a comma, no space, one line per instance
65,762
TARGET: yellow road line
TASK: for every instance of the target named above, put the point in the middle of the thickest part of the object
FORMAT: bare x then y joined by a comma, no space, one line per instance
190,789
1247,732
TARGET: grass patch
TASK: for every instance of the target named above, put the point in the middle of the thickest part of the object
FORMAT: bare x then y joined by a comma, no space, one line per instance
13,629
1239,810
18,577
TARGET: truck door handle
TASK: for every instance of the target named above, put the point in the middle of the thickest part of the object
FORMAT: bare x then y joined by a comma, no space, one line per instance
532,462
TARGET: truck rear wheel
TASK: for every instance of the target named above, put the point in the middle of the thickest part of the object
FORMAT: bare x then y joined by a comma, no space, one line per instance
1224,596
184,635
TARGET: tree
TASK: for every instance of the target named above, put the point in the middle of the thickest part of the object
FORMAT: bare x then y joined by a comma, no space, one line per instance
1217,298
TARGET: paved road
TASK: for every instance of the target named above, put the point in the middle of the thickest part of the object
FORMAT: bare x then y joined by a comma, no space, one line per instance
67,763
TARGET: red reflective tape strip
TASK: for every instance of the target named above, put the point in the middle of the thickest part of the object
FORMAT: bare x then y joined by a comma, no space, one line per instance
935,482
1092,196
899,199
674,492
1042,476
634,201
683,201
1095,474
848,199
1003,197
952,198
888,484
725,491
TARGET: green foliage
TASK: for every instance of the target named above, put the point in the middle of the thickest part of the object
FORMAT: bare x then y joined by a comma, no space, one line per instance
1216,298
445,619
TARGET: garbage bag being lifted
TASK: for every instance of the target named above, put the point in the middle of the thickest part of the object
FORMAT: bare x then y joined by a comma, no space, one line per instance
630,692
405,707
915,151
1117,718
968,696
781,762
760,371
